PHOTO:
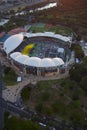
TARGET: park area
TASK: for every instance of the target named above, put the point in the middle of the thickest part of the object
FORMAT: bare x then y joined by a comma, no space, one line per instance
57,99
58,29
9,76
64,99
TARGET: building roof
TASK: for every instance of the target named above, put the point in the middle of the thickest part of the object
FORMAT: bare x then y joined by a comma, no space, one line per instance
22,59
47,62
35,61
12,43
48,34
58,61
14,55
15,40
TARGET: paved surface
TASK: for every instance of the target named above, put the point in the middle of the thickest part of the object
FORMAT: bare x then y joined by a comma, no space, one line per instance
1,118
11,93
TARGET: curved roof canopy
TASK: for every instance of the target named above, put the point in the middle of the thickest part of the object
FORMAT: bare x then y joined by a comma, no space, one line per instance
48,34
12,43
15,54
15,40
58,61
33,61
22,59
47,62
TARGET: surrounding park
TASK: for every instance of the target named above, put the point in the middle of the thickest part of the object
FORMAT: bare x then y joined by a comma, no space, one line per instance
64,98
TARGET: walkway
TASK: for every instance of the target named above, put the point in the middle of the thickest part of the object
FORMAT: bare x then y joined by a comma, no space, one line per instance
11,93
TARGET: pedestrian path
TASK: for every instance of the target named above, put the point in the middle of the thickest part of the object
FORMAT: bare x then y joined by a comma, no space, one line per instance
12,93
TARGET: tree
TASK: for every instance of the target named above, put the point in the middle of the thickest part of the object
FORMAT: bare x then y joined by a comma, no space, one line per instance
85,61
45,96
59,107
9,76
14,123
39,107
12,11
2,28
77,72
25,94
78,51
76,117
78,38
47,110
83,83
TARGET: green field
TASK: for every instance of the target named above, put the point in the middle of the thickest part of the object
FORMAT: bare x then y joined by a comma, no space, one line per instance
41,27
9,77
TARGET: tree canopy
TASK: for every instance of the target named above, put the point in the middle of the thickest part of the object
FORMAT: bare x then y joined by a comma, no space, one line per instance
78,51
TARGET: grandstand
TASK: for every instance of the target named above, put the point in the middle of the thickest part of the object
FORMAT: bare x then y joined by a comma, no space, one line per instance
40,57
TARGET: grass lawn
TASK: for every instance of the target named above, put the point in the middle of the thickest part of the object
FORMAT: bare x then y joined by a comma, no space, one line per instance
57,29
37,29
10,77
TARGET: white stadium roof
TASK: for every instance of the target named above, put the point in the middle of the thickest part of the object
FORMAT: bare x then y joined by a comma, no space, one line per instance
48,34
12,43
58,61
14,55
47,62
35,61
21,58
15,40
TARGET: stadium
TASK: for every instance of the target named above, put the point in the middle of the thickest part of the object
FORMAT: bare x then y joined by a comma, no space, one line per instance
38,53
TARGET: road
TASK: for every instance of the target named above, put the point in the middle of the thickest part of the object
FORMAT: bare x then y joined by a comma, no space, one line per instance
10,107
37,117
1,118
